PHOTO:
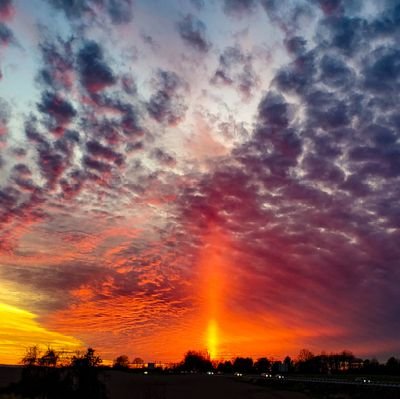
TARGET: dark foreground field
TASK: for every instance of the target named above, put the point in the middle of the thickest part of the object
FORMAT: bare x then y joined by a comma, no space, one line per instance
125,385
9,375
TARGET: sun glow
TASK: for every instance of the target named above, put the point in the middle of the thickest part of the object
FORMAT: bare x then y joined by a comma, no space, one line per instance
19,330
213,264
212,339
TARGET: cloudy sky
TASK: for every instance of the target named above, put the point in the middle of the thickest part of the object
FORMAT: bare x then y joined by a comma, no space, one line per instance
191,174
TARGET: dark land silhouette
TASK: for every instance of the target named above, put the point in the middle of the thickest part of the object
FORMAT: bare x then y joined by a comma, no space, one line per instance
52,375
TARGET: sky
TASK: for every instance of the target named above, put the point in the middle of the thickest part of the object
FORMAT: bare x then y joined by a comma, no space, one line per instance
218,175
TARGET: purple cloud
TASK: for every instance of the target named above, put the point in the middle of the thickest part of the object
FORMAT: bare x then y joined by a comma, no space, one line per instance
193,33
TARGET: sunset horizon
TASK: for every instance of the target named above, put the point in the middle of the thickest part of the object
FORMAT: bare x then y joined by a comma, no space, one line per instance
218,176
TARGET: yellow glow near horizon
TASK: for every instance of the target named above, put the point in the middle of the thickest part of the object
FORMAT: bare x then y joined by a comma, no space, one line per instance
214,261
19,330
212,339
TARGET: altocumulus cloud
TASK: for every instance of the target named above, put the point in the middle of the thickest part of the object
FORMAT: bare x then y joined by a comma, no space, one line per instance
106,214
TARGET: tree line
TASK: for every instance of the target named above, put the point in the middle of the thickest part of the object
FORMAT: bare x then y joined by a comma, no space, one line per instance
199,361
344,362
306,362
51,375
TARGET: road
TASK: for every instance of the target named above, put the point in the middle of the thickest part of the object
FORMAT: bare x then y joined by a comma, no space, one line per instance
339,381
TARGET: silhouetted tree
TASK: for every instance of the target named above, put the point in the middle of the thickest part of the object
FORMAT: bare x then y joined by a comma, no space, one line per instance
86,360
49,359
196,361
372,366
276,367
31,357
304,355
243,365
393,366
225,367
121,362
40,378
262,365
307,362
86,382
288,364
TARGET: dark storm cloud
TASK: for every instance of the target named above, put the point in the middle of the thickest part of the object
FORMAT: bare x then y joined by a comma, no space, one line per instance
167,104
311,199
193,32
94,72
